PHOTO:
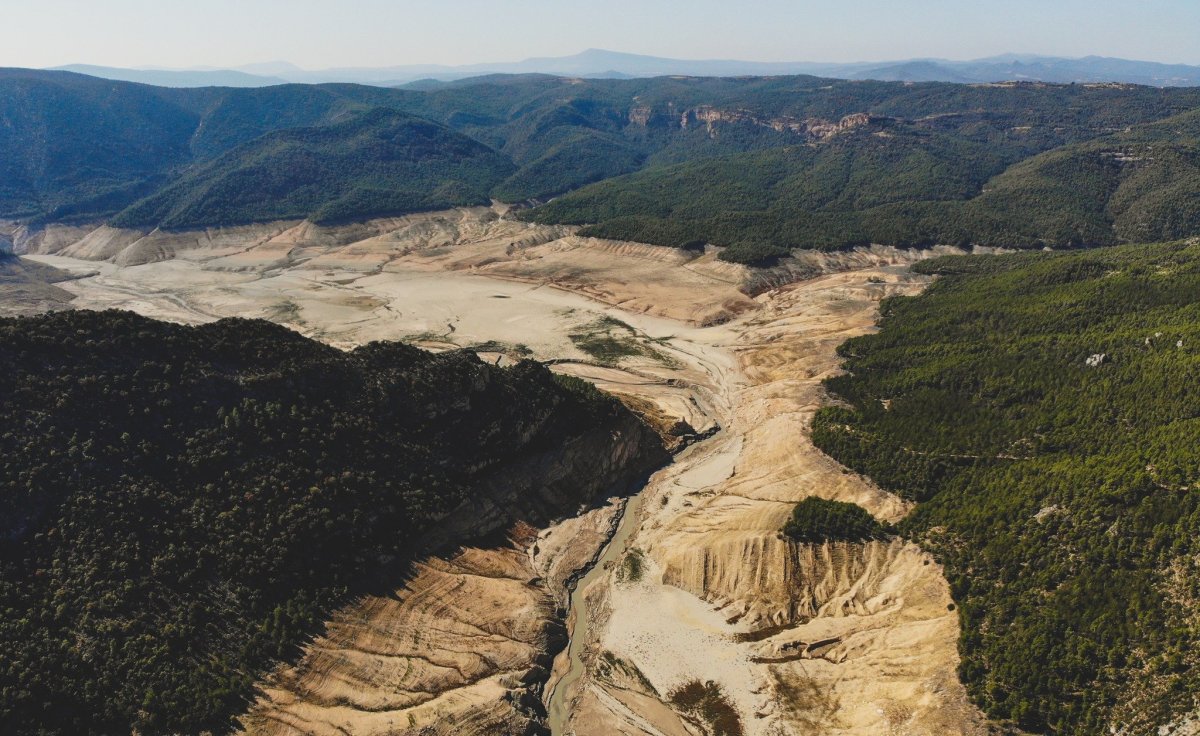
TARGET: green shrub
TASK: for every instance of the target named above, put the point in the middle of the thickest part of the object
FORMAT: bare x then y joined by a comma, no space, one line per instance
1062,496
753,253
816,520
707,701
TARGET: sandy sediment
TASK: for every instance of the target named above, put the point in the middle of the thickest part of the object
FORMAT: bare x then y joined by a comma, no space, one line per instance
637,278
821,639
452,646
826,639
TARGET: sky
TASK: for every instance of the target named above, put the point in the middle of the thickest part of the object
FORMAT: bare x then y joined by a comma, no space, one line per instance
317,34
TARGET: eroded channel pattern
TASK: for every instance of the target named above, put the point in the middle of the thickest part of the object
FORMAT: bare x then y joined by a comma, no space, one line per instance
838,638
816,639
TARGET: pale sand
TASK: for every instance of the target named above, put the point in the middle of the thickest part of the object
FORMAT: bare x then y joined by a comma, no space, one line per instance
716,566
710,527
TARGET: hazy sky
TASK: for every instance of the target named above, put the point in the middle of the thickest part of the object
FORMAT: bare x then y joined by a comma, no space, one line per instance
325,33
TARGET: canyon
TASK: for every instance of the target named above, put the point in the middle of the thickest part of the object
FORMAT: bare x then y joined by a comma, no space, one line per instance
593,624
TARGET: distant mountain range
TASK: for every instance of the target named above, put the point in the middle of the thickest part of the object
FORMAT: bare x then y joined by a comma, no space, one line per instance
757,164
176,78
598,63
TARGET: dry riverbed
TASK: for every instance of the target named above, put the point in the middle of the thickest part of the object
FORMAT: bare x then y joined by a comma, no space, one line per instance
698,585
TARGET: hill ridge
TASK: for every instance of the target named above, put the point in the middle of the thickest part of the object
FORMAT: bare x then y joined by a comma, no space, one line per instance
615,155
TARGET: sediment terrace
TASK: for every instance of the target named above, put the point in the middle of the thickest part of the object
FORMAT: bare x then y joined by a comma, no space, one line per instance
838,638
823,639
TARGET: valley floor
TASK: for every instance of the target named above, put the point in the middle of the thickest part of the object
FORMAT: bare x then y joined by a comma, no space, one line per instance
829,639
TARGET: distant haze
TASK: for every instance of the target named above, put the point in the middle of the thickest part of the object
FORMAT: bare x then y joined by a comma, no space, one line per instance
598,63
318,34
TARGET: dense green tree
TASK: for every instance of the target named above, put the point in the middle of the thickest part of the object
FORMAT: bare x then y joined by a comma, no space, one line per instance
900,183
1042,409
671,160
181,507
816,520
377,163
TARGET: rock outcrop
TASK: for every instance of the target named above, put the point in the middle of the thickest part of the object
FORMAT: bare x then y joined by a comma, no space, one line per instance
765,581
807,129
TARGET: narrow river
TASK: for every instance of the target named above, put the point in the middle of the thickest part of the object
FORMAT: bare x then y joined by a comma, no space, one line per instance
558,714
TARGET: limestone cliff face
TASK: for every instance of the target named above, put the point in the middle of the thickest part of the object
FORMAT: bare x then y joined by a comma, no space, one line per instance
640,115
809,129
465,644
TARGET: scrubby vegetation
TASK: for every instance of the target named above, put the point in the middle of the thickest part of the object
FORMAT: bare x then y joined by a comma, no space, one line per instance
816,520
633,566
609,341
707,702
182,506
606,347
1042,409
806,705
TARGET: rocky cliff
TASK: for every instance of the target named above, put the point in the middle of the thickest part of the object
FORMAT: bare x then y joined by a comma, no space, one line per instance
807,129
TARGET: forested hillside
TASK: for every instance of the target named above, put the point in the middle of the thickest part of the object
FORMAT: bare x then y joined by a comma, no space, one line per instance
774,162
377,163
907,184
1042,409
180,507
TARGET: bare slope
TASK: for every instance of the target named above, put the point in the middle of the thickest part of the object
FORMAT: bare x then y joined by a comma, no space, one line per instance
837,638
816,639
184,505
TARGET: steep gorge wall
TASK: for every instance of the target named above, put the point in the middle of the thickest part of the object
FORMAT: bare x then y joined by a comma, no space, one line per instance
610,458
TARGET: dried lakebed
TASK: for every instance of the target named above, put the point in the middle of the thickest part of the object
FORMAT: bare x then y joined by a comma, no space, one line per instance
695,583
